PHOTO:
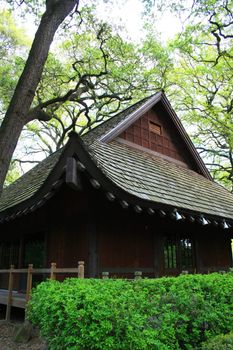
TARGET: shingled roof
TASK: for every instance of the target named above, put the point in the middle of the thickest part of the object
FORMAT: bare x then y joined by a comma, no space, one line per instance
27,185
128,173
157,180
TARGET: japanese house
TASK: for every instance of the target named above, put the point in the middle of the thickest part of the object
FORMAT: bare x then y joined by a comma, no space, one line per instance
131,195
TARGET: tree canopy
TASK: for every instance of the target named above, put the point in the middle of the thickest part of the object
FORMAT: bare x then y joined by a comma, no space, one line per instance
94,70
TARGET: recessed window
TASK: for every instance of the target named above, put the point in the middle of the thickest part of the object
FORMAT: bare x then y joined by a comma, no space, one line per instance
155,128
9,254
178,253
170,254
34,250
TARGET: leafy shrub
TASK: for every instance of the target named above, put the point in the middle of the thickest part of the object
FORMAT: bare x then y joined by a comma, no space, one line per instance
220,342
150,314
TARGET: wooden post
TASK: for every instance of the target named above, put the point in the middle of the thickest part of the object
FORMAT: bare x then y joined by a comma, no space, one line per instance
105,275
53,271
80,269
137,275
29,282
92,248
9,297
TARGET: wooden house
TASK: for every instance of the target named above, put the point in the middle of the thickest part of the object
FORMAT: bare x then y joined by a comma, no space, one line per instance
131,195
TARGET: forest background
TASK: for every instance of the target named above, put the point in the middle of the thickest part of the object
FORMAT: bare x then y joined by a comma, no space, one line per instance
106,56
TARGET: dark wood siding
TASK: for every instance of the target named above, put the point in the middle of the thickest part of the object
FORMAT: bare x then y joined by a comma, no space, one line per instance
155,132
128,246
84,225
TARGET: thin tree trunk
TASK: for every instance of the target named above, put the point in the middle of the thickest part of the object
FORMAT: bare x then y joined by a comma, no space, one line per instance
17,114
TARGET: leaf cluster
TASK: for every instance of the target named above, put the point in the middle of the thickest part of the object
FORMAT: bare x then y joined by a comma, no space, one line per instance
220,342
151,314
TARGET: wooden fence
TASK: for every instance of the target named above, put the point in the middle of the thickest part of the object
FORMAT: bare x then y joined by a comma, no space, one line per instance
20,300
30,271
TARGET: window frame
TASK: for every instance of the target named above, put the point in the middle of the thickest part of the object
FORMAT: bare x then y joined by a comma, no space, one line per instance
177,264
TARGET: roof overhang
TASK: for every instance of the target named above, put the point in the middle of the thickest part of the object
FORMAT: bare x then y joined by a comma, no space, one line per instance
85,164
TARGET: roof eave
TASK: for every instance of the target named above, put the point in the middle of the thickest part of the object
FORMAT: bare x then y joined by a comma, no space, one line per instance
77,148
52,183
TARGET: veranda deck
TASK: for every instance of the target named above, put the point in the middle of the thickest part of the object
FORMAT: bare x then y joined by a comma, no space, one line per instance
10,297
17,299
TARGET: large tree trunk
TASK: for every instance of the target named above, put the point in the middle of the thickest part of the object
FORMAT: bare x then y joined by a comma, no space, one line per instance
17,114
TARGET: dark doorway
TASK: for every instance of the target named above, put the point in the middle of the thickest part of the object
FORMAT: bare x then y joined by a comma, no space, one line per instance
33,253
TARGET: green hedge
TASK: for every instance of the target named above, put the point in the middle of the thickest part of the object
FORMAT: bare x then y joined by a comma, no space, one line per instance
220,342
149,314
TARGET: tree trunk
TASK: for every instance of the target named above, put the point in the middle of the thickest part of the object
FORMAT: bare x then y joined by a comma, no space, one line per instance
17,114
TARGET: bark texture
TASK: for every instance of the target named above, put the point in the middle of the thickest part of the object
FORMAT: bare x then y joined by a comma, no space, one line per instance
18,114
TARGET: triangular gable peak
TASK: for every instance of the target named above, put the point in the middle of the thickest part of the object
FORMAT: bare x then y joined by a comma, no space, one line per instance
153,132
155,128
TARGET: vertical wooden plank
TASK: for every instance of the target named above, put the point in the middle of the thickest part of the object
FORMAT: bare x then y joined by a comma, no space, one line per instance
72,178
92,248
10,289
53,271
158,254
198,264
21,252
81,269
21,278
45,262
29,282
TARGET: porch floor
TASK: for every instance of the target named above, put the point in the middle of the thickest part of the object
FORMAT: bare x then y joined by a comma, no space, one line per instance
18,299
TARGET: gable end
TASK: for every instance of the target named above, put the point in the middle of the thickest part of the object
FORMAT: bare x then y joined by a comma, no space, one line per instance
179,147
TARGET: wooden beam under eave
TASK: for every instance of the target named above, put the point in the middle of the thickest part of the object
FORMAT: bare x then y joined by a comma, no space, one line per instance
72,177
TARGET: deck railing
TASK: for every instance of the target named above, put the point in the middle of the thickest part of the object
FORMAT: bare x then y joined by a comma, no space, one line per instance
20,300
30,271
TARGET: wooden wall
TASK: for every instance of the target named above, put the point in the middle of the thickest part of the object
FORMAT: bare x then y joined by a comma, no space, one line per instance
86,226
168,143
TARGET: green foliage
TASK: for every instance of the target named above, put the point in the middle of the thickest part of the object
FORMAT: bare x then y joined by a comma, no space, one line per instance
220,342
13,174
14,45
102,73
105,71
150,314
202,83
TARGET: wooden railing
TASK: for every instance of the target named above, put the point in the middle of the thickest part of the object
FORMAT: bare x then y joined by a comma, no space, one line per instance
52,273
30,271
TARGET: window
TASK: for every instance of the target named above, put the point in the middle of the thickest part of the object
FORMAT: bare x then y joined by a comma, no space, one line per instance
186,253
34,251
155,128
170,254
9,254
178,253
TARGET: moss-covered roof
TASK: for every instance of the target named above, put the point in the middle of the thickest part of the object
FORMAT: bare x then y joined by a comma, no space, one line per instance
140,174
28,184
158,180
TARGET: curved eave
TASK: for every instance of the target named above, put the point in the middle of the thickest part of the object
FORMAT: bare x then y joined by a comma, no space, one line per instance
86,164
50,186
120,194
